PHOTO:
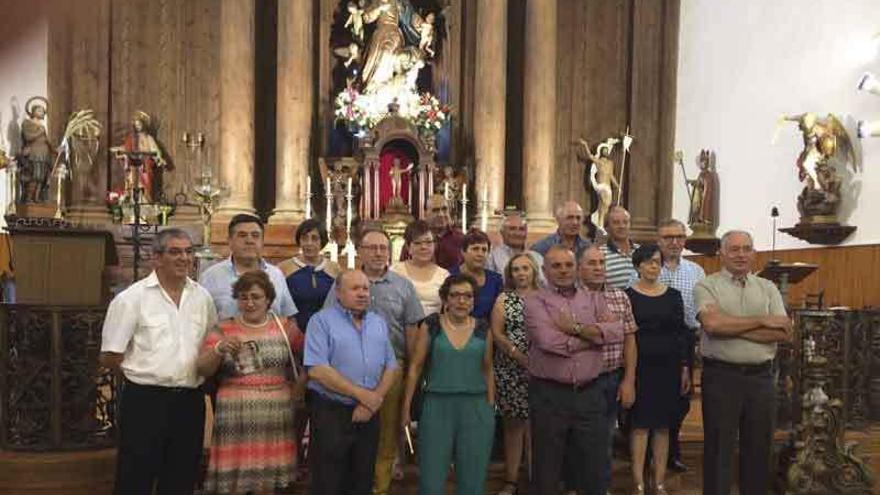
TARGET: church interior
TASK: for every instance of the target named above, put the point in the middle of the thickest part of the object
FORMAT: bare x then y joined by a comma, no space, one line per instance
121,118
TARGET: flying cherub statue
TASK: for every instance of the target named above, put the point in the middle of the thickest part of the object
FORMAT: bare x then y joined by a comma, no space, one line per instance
600,176
351,53
426,34
355,21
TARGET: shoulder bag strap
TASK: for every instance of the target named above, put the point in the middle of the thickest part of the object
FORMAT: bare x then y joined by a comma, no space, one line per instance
283,331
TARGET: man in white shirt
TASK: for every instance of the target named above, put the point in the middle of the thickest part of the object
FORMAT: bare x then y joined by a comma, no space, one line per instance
152,334
514,231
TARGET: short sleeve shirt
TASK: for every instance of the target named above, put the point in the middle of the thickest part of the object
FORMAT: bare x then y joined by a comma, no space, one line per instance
749,296
218,279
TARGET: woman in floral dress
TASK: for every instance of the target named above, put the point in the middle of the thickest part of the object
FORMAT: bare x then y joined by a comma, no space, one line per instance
511,362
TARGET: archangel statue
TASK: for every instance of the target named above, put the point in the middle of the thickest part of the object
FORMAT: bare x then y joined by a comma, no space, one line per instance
817,163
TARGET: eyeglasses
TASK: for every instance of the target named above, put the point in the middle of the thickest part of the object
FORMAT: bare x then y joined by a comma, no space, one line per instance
467,296
178,252
254,298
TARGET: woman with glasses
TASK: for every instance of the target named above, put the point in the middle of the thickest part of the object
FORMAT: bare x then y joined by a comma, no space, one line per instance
662,372
420,268
512,361
452,362
475,251
252,448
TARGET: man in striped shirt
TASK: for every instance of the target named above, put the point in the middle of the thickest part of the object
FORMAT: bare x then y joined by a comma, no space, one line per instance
682,275
618,251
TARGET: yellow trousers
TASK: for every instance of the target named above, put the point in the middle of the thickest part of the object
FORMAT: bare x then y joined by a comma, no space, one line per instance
389,437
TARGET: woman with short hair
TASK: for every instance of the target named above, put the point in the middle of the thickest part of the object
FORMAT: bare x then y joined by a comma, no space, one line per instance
475,250
253,448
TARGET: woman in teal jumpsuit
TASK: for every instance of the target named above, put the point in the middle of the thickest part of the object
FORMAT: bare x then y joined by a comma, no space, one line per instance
452,362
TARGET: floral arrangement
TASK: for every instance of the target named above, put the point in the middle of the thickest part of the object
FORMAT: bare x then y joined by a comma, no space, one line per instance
351,108
362,111
431,115
115,201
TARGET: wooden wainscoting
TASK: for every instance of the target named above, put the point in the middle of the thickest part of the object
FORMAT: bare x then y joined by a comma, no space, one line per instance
848,275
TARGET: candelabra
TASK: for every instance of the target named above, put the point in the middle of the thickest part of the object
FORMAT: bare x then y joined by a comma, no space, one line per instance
194,144
61,175
332,248
12,187
350,251
464,202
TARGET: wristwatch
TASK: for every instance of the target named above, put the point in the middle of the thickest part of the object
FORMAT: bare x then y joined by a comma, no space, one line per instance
578,328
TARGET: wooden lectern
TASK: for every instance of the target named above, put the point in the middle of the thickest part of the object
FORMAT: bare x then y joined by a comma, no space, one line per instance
61,266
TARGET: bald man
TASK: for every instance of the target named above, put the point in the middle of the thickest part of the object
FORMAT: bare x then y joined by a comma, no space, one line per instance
569,219
351,368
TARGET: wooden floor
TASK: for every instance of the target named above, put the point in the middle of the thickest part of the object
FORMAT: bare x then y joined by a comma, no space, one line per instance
91,472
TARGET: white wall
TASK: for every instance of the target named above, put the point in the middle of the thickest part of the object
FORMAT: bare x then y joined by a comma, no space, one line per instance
23,74
744,63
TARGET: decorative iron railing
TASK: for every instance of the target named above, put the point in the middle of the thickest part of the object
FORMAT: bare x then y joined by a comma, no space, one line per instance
53,394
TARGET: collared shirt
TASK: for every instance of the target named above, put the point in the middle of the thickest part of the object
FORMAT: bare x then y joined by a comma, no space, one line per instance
544,245
393,298
360,355
683,278
218,279
619,269
447,249
621,307
556,355
159,340
748,296
500,256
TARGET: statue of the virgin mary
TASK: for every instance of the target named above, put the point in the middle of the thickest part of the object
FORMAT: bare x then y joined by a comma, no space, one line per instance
397,25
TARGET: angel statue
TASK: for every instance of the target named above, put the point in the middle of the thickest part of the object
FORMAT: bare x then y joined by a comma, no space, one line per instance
37,152
426,34
351,54
823,138
599,177
355,21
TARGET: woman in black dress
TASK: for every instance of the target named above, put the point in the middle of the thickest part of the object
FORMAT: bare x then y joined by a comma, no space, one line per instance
661,374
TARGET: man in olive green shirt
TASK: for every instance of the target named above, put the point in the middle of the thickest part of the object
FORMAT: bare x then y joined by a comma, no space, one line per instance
742,317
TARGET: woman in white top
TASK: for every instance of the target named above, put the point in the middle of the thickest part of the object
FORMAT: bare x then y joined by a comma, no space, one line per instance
420,268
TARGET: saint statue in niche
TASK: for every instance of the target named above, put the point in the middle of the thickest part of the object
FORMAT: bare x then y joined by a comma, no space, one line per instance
36,152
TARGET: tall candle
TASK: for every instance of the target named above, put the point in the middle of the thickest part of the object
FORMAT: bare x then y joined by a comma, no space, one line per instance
348,211
464,207
484,209
308,197
329,218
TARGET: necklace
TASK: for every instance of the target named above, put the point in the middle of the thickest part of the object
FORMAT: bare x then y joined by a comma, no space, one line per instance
455,327
252,325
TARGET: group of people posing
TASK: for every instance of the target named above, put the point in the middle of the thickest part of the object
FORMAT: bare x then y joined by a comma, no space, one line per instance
556,340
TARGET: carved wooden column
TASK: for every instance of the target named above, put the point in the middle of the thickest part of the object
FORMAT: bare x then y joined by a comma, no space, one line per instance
490,92
539,121
237,106
295,109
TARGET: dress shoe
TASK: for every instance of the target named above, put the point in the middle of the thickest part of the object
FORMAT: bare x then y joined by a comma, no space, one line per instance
676,466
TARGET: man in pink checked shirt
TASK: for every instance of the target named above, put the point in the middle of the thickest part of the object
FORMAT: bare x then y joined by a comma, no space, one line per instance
568,329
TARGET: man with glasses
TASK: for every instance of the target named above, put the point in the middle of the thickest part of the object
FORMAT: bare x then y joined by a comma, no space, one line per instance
394,298
743,318
682,275
152,334
245,254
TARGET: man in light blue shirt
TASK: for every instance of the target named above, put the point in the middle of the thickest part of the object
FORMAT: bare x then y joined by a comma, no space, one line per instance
245,248
352,367
569,218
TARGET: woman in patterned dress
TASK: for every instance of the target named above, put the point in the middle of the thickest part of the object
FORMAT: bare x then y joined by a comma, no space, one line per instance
511,362
253,449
